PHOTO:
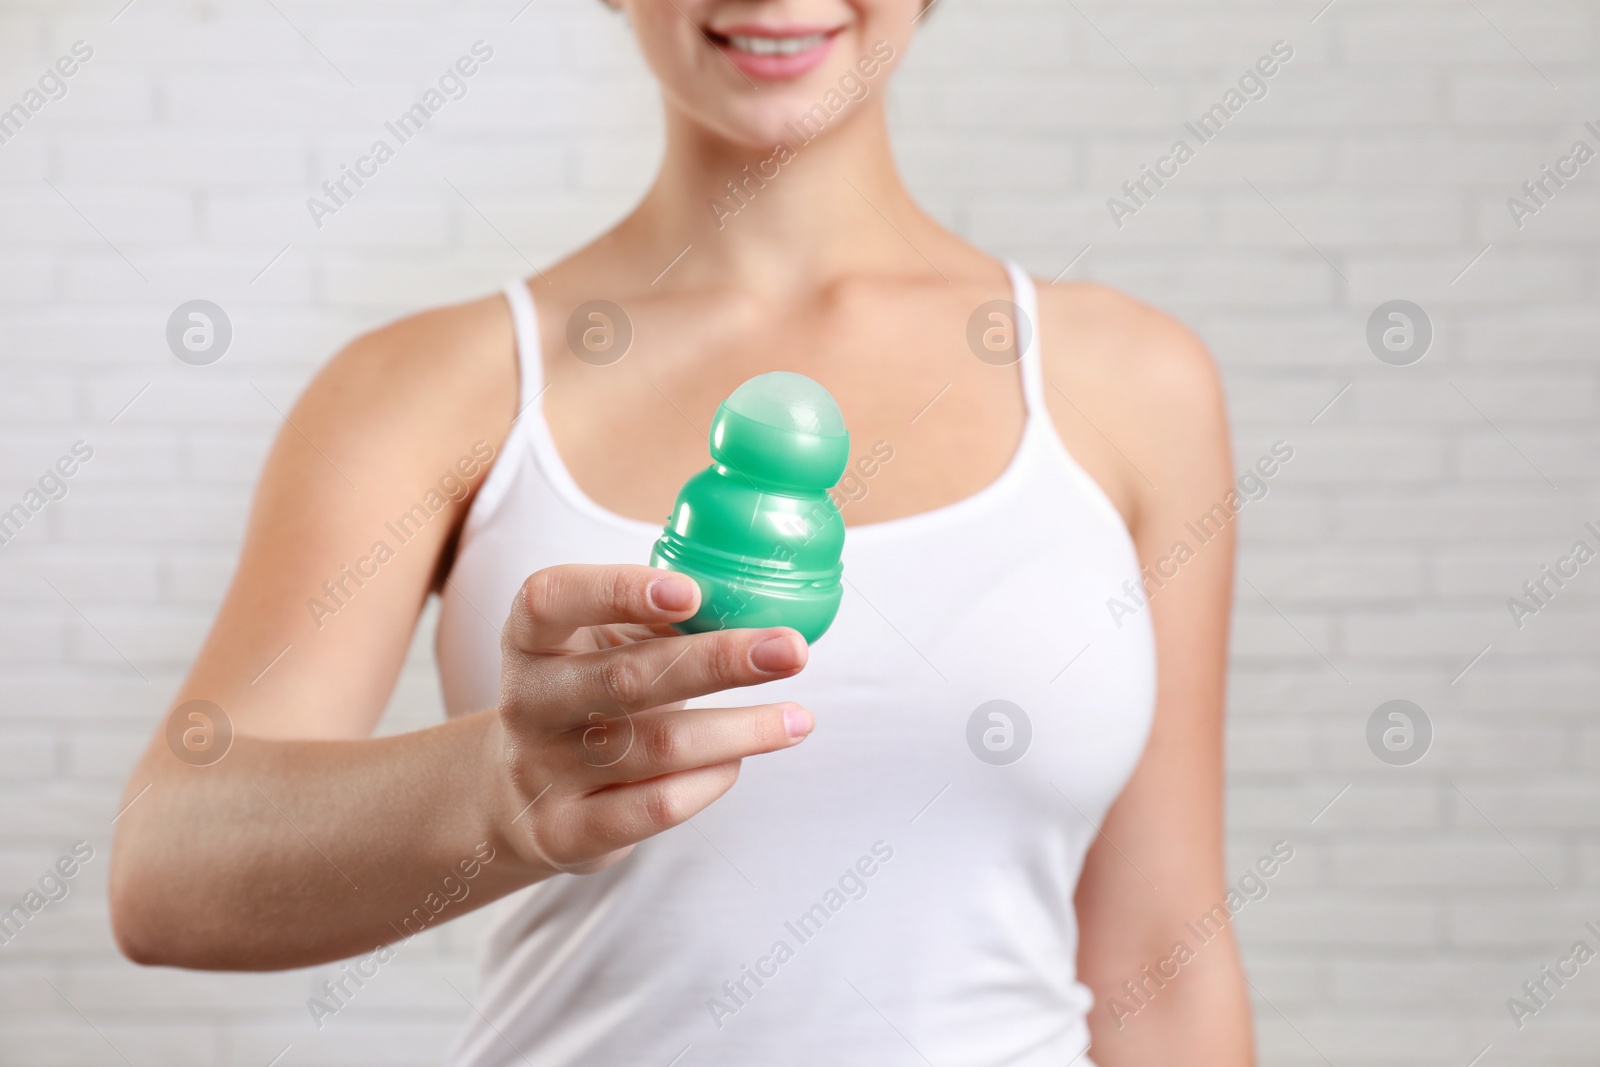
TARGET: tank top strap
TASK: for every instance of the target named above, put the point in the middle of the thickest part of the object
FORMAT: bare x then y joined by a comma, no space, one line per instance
525,324
1026,297
529,419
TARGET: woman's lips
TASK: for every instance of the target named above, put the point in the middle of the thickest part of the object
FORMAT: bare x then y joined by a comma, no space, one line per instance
774,54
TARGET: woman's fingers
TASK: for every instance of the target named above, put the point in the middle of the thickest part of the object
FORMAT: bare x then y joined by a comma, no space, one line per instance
551,695
632,748
626,814
593,729
555,602
618,781
567,691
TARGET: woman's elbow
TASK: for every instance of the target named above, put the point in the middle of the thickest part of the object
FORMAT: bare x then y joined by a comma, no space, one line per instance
152,922
135,925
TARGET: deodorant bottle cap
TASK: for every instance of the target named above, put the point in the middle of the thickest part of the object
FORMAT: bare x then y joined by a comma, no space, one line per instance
782,428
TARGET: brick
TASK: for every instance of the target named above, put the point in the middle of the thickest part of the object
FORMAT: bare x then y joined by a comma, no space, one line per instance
1257,627
619,163
290,100
1505,275
1323,575
1352,921
1429,159
1529,744
1562,334
1291,981
1504,921
1342,98
1283,517
25,280
1463,865
383,218
226,458
1519,98
1286,279
1337,220
70,1042
120,636
1383,803
222,41
234,159
1284,339
979,163
1540,457
95,275
199,577
45,400
1447,395
1561,220
1424,983
1212,48
398,1041
1012,40
149,518
27,756
51,817
1365,456
1446,36
23,42
1171,217
169,994
1268,747
1496,685
104,756
1110,99
1451,635
1534,807
31,641
1458,513
1501,573
121,216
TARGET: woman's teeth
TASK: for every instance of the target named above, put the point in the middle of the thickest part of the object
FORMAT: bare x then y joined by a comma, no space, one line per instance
778,46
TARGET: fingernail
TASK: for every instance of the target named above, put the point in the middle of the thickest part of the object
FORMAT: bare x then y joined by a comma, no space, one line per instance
797,721
672,594
783,652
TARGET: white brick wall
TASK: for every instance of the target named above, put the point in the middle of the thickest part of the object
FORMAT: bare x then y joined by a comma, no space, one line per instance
1415,905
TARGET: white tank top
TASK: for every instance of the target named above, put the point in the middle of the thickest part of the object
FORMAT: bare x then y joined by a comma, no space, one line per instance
899,887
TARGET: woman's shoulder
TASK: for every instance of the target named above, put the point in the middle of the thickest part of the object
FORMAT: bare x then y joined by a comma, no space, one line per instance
1144,383
1086,325
403,402
443,368
439,359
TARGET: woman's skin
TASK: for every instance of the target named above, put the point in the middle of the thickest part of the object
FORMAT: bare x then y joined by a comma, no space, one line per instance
310,838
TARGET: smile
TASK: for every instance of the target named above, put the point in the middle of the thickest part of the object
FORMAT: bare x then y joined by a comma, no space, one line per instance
773,53
777,46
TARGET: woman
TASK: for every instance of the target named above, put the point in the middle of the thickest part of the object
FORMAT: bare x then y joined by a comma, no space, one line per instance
909,872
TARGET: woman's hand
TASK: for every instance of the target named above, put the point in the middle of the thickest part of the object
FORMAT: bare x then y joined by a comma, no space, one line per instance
595,747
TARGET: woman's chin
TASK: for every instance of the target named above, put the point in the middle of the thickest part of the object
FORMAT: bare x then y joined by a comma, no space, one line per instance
764,127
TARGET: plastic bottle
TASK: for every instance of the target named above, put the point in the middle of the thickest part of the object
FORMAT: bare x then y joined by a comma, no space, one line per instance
757,529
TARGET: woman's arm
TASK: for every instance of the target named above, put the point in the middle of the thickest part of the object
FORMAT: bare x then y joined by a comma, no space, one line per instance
310,841
253,861
1155,873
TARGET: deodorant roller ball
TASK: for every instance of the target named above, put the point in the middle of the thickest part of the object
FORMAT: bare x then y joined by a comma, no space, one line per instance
757,529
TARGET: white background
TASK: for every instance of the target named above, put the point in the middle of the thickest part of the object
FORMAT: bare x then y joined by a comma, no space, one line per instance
178,166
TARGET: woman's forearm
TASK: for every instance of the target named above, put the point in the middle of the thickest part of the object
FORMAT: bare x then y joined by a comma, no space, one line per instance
1200,1017
290,853
286,853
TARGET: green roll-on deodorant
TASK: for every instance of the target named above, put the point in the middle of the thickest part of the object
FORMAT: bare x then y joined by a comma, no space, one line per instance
757,529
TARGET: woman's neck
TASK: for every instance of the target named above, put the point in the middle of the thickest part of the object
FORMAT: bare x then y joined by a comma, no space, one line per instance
799,214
